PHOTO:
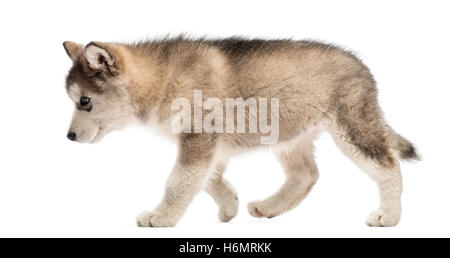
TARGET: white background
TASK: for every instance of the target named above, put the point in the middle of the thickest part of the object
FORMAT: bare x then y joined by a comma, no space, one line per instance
50,186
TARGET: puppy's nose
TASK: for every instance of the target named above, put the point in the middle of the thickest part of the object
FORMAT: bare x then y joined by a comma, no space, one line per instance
72,136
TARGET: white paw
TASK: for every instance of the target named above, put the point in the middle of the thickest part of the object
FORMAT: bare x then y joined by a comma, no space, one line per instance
382,219
154,219
261,209
228,212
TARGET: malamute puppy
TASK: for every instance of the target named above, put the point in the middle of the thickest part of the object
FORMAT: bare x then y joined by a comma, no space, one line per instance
312,87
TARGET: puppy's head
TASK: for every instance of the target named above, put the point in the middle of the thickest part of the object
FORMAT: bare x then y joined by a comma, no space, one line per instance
97,87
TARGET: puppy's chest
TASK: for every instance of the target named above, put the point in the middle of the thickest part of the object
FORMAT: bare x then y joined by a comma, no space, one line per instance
161,124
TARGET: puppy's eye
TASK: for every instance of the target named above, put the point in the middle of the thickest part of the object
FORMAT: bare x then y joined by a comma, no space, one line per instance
84,100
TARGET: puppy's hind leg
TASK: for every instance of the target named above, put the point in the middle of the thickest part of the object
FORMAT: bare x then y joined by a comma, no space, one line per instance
362,134
381,165
223,193
297,160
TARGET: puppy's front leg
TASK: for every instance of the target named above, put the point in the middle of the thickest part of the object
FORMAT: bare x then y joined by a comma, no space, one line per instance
194,163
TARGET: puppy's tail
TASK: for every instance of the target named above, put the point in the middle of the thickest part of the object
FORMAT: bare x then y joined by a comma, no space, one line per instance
404,148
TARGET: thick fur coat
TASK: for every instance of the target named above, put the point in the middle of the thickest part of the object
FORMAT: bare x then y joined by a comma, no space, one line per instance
320,88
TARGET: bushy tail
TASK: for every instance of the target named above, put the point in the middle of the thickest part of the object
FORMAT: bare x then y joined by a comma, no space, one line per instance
405,148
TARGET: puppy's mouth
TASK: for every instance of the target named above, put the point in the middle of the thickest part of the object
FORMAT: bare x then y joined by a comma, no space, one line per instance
98,135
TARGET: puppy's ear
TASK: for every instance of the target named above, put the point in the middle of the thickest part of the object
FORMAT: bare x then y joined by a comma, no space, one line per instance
73,49
100,58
